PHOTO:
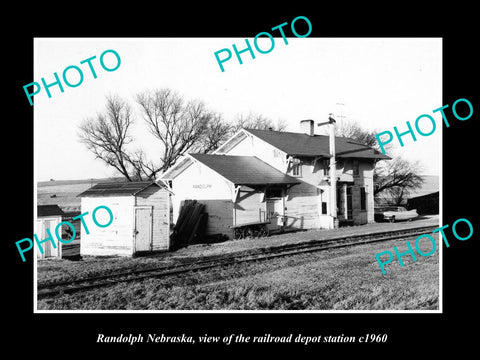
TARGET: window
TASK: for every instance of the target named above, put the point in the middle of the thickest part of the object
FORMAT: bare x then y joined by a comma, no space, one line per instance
363,199
340,200
349,203
277,153
326,166
324,208
356,169
296,170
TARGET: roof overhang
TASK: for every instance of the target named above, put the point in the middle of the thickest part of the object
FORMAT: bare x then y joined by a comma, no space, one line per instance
118,189
231,142
177,169
281,184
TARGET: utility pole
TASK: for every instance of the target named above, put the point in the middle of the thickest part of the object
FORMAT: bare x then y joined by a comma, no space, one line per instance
333,173
340,117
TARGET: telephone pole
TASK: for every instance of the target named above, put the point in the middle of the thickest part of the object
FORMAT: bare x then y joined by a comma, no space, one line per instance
333,173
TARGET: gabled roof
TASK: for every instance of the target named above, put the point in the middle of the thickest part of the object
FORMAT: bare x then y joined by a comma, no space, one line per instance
176,169
118,188
244,170
298,144
49,210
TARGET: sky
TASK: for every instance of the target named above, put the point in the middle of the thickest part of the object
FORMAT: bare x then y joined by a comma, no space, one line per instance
377,82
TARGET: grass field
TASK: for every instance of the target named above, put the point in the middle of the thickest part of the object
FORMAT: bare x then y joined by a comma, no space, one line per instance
336,279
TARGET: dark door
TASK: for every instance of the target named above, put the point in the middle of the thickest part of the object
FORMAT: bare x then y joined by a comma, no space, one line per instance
349,203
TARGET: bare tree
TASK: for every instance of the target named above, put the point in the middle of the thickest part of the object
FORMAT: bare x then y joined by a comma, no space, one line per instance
142,167
397,178
256,121
179,125
352,130
217,132
107,135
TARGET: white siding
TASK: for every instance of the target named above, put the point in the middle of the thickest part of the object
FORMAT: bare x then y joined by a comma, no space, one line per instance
269,154
248,206
253,146
365,179
220,216
44,223
158,199
115,239
243,148
200,183
302,206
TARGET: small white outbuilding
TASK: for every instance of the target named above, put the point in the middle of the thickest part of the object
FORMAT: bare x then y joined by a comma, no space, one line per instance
48,217
141,219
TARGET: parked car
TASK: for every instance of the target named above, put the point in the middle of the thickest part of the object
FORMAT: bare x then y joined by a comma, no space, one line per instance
395,213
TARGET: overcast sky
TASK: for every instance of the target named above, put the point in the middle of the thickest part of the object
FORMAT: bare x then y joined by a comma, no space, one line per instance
382,82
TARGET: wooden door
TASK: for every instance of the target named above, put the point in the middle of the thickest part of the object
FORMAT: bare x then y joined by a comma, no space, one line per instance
275,213
143,228
48,250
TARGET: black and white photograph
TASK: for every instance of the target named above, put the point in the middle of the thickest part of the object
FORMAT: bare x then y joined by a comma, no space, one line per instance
230,180
253,186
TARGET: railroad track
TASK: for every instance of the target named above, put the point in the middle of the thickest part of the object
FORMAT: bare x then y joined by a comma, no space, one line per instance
66,287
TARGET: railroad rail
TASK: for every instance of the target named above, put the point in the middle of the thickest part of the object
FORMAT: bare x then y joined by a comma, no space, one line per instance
66,287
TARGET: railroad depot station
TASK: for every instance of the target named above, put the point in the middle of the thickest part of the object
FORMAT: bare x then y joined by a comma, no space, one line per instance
282,179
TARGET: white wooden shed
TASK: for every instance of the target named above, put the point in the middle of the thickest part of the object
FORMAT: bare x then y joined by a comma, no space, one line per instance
48,217
141,219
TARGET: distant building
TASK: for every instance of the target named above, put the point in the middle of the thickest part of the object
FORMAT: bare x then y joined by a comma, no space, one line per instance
430,185
426,198
425,204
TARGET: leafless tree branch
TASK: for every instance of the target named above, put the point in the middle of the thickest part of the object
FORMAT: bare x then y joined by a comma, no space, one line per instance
179,125
107,135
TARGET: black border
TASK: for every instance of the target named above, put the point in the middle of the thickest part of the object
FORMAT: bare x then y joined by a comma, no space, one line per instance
76,333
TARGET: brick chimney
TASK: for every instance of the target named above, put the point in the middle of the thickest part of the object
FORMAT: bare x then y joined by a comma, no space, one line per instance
307,127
